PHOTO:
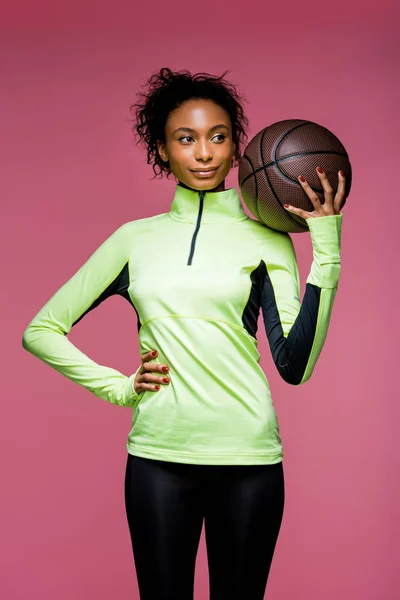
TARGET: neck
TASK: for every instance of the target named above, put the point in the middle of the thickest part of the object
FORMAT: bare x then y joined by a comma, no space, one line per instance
219,188
223,205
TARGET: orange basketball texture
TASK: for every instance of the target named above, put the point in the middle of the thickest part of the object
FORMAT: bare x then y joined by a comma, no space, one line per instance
272,162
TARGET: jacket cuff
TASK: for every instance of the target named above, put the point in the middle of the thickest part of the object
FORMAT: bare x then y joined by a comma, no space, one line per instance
326,240
130,396
326,235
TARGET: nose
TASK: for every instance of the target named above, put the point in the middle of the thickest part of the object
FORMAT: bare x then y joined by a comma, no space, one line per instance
203,151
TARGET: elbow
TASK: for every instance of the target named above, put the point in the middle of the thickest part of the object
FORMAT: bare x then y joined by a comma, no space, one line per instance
26,339
289,375
291,380
29,337
292,376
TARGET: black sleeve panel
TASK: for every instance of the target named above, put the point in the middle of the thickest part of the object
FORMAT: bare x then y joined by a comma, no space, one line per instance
291,354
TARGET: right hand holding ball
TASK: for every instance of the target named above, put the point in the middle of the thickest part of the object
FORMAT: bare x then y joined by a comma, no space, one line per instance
333,202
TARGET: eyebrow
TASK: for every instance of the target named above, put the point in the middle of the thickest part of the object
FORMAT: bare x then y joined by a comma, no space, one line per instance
190,130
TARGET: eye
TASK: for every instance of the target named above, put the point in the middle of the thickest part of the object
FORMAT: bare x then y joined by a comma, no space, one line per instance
221,137
185,137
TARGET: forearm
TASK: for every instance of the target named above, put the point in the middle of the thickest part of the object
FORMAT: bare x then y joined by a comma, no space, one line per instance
56,350
104,274
297,335
296,355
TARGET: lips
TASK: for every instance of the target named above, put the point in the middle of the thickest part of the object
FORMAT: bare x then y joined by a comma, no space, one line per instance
204,172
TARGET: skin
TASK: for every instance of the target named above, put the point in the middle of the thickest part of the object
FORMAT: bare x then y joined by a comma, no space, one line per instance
209,144
333,202
198,135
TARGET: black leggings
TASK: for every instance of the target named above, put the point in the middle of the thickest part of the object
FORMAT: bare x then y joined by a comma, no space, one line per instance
242,508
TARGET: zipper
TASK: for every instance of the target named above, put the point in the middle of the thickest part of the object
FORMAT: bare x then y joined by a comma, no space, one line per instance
196,231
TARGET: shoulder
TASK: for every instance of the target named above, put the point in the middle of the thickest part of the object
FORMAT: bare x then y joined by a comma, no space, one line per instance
127,234
133,228
269,239
139,224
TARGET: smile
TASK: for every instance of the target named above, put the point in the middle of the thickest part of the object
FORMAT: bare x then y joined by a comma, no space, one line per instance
205,173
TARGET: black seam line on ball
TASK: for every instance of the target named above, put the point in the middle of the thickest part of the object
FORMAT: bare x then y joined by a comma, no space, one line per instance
291,216
255,178
279,142
279,160
296,218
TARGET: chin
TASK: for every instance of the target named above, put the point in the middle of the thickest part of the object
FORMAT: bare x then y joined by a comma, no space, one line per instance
206,183
207,187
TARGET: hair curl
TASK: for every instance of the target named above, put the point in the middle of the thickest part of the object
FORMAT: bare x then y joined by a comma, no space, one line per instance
166,90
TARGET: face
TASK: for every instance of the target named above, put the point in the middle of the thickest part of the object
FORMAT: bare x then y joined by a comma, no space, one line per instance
198,145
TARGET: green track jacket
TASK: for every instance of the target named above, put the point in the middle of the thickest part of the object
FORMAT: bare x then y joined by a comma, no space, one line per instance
199,309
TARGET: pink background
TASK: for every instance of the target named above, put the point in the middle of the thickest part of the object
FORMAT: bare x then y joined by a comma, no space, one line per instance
71,174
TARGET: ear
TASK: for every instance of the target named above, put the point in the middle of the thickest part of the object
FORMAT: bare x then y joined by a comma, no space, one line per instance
162,151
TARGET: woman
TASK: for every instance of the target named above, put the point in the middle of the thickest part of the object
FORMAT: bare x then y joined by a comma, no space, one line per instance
205,440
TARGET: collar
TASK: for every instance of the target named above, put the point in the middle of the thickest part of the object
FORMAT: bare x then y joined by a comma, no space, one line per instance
217,206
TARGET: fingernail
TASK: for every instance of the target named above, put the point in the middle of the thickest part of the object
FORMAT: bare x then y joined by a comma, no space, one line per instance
157,387
165,369
165,380
286,205
302,178
320,170
341,173
154,353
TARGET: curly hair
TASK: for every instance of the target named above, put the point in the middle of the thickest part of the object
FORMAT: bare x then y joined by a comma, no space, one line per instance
166,91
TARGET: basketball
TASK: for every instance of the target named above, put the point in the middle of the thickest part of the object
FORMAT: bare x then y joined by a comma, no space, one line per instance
272,162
